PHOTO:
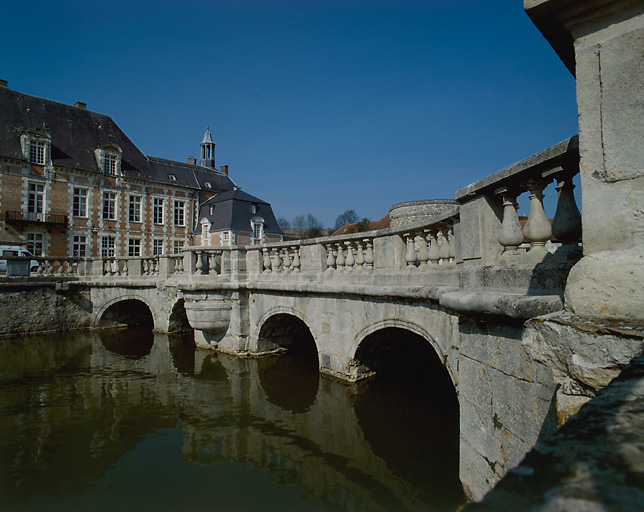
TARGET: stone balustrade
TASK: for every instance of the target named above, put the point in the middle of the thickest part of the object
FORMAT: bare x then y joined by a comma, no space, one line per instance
489,211
48,266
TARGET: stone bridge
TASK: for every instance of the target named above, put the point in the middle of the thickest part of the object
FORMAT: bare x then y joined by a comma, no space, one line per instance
525,322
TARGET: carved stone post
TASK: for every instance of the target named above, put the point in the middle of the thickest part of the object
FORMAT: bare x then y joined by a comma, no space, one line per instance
359,257
434,254
199,265
410,254
368,257
510,233
566,225
537,229
423,251
276,261
330,258
296,259
287,260
350,261
340,259
266,260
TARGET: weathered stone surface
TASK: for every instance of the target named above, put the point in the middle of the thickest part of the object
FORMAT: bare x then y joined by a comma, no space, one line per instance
595,462
590,352
414,211
43,309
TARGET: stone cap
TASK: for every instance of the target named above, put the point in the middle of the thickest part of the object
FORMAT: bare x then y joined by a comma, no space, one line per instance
534,167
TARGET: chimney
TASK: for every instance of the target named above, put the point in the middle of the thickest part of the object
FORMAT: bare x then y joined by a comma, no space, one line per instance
192,160
3,82
80,104
224,169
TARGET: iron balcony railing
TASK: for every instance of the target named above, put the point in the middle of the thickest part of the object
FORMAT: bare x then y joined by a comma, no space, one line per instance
28,217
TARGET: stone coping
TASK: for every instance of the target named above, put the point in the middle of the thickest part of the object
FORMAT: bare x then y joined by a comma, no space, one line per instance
531,167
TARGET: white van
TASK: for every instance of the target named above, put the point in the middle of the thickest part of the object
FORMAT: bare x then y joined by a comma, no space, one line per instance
15,250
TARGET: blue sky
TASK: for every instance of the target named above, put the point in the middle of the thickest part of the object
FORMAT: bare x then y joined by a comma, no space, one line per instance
317,106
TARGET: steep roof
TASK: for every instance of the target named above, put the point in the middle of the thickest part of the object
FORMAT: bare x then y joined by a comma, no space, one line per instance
232,211
76,133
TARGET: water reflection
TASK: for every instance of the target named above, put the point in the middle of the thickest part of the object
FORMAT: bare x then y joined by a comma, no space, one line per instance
100,421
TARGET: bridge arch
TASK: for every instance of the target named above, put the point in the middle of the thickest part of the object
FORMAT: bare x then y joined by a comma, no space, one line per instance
390,326
283,321
133,309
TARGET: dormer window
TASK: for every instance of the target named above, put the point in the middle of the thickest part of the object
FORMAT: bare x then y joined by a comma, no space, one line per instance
257,229
207,184
172,177
37,152
253,209
36,146
108,159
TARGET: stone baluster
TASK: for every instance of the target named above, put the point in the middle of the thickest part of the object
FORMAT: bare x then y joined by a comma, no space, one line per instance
423,251
410,254
359,257
296,259
41,267
566,225
330,258
510,233
266,260
145,268
369,256
125,270
434,254
114,267
451,241
155,266
351,260
178,265
286,257
199,265
61,267
340,261
212,263
443,247
276,261
537,229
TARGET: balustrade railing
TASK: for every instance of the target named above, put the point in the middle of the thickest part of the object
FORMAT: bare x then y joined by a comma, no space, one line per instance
537,236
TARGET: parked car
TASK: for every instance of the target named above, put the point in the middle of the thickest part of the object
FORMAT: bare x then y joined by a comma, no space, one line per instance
16,250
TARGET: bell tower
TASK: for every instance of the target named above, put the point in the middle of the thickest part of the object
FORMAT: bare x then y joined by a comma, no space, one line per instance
207,150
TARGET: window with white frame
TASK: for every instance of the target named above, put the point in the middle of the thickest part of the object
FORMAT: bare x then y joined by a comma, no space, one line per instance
134,247
257,227
108,244
79,206
157,247
205,232
79,246
36,243
36,198
179,213
109,205
177,246
225,237
157,210
135,209
37,153
109,159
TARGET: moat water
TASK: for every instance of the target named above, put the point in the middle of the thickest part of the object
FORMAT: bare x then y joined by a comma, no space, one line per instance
130,421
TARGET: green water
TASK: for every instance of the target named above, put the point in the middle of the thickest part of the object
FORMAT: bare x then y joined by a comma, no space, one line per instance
131,421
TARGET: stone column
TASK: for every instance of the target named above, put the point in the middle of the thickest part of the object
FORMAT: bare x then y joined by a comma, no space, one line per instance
603,43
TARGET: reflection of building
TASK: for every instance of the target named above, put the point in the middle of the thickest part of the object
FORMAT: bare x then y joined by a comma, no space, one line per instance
236,217
73,184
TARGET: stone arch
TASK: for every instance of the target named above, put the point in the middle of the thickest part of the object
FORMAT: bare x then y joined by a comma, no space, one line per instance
404,325
123,298
280,310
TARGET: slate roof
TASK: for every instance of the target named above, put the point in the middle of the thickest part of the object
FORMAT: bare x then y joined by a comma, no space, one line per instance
77,132
232,211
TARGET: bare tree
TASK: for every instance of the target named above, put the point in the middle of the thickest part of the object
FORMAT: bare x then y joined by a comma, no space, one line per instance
313,226
348,217
283,223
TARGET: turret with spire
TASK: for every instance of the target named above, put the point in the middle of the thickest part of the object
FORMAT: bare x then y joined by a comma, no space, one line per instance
207,150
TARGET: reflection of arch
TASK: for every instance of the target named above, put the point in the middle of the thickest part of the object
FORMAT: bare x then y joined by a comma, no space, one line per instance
409,413
129,315
280,310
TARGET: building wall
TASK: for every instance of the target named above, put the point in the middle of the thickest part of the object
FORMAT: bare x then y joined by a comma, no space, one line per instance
59,184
